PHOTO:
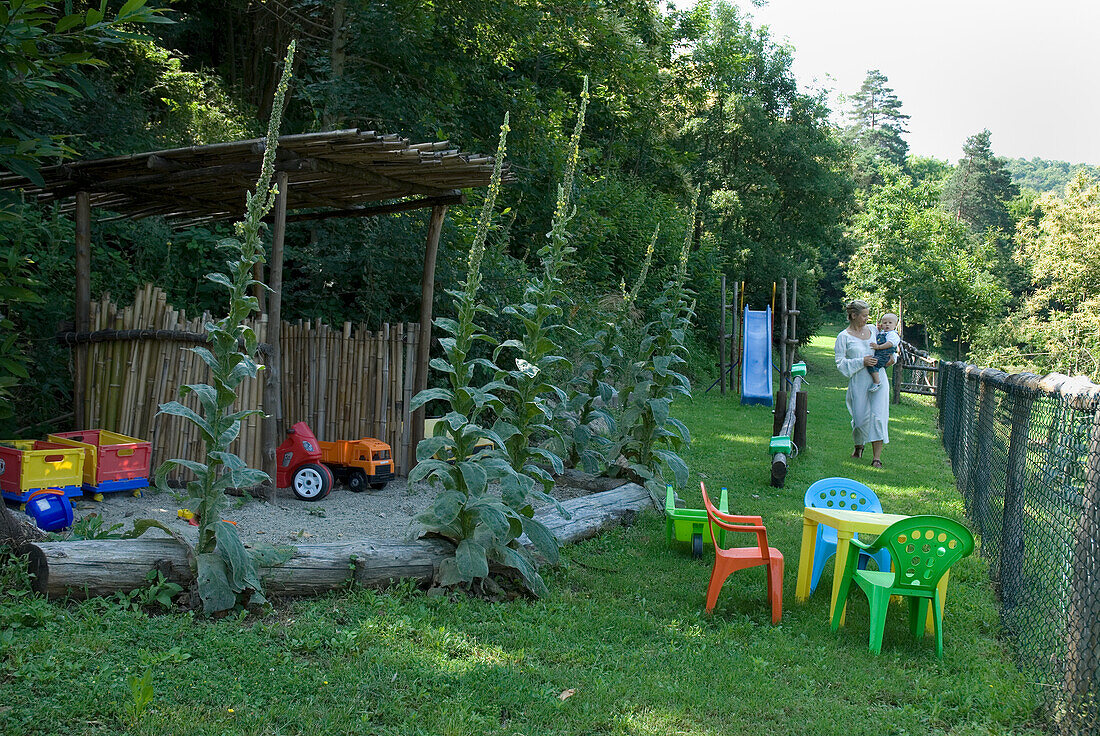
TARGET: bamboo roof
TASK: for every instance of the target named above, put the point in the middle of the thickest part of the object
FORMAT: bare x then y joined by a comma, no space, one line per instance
335,173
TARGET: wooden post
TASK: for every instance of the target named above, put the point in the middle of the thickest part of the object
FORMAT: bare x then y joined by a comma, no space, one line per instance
1080,683
424,344
801,399
735,341
794,321
722,339
783,367
273,427
986,406
1012,526
83,302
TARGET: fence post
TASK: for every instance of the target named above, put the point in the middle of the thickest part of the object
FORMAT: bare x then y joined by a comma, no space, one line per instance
722,339
1083,615
979,510
1020,397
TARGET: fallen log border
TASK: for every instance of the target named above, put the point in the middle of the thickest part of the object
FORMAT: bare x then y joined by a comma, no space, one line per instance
84,569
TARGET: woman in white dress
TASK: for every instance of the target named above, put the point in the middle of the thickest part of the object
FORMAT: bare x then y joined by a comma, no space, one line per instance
870,411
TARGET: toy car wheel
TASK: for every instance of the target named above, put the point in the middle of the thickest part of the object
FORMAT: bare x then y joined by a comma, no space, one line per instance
378,486
696,546
357,481
311,482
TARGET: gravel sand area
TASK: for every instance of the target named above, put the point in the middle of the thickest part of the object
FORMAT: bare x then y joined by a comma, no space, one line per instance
342,515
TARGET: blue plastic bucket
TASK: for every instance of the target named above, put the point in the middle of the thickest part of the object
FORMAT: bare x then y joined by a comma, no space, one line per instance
50,510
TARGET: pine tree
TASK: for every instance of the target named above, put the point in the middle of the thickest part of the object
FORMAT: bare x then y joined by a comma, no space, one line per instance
979,193
877,126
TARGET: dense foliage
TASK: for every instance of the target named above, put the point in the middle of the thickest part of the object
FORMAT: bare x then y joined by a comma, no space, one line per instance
1046,176
680,99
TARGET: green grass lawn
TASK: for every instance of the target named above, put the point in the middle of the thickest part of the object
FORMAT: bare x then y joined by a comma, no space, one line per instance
623,627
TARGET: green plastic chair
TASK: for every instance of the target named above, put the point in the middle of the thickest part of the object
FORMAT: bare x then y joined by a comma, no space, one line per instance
923,549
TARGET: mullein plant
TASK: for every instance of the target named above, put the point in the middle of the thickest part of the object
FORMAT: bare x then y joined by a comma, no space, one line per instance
529,410
475,508
650,437
226,571
587,414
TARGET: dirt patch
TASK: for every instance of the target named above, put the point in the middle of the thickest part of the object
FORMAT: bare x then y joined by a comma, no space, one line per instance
384,514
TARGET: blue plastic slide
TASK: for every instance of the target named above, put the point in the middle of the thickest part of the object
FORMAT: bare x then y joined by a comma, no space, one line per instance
756,358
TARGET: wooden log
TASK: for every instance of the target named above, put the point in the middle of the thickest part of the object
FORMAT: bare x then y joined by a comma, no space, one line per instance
102,567
801,400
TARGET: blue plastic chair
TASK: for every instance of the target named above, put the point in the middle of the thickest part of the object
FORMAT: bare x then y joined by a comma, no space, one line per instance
841,493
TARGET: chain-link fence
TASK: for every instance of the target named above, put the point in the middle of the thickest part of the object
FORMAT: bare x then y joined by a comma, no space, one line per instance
1026,455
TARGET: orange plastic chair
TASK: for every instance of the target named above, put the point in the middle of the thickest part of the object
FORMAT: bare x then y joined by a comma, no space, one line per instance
728,561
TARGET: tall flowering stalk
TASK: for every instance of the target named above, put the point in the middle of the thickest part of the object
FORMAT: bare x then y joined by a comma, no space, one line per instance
469,510
529,410
588,418
227,572
650,437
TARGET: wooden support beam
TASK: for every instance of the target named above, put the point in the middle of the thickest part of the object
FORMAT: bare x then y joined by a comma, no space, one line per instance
83,301
274,425
385,209
423,347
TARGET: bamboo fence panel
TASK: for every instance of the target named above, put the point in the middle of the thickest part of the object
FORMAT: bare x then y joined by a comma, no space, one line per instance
345,382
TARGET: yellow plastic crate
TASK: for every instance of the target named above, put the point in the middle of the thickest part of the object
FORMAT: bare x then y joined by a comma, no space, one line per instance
29,465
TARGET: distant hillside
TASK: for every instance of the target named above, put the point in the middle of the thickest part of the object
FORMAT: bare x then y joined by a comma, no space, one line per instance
1045,176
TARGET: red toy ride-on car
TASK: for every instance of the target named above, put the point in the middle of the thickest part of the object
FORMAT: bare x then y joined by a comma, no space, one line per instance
300,467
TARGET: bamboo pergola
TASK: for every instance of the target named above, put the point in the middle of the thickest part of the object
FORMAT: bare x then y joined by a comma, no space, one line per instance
343,173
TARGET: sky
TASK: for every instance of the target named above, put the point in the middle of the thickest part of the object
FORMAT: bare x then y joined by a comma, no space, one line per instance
1027,71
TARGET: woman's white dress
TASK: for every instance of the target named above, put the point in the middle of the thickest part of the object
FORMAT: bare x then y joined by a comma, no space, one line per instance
870,411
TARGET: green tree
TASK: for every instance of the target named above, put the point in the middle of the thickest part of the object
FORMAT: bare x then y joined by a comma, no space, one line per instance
876,127
979,193
45,49
1063,311
775,193
915,254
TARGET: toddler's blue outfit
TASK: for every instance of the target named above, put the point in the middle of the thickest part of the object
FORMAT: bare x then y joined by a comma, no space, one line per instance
883,355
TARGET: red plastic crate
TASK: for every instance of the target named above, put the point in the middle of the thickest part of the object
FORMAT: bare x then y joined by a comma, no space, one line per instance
108,456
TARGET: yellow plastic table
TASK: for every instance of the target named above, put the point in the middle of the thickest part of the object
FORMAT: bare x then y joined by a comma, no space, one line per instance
847,524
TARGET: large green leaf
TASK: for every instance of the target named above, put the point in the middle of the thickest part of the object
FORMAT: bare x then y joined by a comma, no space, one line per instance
213,583
475,477
241,566
519,561
430,394
676,464
543,539
447,506
471,561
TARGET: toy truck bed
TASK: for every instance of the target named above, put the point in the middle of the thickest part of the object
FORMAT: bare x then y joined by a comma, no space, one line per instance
359,463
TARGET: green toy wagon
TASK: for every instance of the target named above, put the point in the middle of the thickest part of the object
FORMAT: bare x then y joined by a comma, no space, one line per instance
690,526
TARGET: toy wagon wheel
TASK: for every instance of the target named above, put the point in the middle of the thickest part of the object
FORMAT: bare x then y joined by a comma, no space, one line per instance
696,546
357,481
311,482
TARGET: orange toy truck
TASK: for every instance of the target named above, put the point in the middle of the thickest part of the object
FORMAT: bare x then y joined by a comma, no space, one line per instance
359,463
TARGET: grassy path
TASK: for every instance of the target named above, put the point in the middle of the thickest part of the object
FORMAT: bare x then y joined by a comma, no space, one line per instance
623,628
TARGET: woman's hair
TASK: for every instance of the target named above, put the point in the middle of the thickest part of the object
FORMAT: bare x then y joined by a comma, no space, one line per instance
854,307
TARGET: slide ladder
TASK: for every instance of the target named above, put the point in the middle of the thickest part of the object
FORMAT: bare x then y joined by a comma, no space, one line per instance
756,358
